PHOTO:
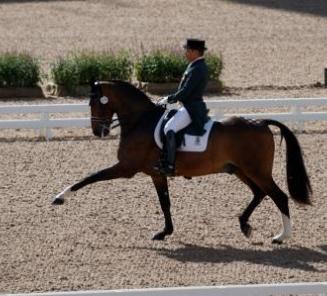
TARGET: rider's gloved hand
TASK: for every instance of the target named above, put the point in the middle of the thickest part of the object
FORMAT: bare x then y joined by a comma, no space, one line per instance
163,101
171,99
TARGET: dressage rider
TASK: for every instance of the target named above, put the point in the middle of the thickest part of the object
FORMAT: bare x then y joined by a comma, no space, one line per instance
190,94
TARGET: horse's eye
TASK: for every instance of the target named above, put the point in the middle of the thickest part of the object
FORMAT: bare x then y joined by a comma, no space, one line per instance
104,100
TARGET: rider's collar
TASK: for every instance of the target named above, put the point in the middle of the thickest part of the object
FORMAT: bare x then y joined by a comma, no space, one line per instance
197,59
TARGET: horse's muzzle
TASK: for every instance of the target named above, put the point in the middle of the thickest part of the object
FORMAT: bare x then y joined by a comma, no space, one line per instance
101,130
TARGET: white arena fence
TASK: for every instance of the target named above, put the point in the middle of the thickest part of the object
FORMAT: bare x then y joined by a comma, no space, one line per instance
44,124
318,288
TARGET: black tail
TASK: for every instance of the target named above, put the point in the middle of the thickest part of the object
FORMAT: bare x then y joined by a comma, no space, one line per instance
297,178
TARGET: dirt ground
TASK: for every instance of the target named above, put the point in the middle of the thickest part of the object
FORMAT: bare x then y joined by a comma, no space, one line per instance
101,237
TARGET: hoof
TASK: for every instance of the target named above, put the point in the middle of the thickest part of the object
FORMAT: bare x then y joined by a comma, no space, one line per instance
276,241
246,229
159,236
58,201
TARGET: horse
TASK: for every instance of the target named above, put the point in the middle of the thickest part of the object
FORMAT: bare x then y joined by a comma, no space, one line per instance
238,146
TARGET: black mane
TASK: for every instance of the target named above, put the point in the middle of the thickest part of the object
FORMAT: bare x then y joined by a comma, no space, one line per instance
131,91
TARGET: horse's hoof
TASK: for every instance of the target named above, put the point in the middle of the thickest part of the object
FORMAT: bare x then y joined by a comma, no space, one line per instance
159,236
58,201
276,241
246,230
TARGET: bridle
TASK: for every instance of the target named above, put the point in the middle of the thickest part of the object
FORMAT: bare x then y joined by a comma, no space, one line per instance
106,123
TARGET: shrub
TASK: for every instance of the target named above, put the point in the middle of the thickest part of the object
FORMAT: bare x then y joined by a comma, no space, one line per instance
215,66
19,70
160,66
81,68
167,66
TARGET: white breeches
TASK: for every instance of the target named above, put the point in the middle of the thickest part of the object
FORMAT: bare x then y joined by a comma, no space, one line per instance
179,121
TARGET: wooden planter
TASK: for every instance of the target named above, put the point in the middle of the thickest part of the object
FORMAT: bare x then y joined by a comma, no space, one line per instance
21,92
159,88
61,91
171,87
214,86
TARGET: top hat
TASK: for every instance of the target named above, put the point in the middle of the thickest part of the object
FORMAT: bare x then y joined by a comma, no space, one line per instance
195,44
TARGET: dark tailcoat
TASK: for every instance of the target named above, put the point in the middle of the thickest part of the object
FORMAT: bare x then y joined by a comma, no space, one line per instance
190,93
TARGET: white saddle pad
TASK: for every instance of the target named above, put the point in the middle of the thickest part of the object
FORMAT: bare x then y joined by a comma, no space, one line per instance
192,143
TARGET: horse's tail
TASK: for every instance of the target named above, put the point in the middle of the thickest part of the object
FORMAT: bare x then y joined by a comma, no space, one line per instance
297,178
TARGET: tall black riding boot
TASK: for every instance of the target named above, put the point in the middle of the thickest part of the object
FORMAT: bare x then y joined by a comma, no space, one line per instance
169,168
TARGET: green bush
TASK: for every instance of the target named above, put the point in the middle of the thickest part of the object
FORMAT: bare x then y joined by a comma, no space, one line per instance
160,66
81,68
19,70
165,66
215,66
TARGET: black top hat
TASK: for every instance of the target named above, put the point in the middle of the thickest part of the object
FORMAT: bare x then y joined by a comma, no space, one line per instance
195,44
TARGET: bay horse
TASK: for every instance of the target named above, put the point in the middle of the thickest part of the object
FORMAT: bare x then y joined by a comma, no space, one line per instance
238,146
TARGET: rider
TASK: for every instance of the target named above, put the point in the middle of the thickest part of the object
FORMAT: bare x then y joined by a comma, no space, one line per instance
190,94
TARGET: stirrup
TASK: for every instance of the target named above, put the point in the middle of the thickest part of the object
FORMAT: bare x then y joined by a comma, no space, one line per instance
168,170
160,164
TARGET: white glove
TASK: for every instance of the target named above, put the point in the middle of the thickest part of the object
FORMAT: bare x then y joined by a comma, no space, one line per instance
163,101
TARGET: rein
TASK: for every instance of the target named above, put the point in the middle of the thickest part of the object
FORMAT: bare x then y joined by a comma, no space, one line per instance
115,121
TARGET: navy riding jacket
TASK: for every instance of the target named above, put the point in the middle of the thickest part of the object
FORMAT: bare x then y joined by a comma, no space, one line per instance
190,93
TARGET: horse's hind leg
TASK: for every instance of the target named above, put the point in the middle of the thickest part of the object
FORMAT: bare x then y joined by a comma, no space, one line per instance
280,199
258,196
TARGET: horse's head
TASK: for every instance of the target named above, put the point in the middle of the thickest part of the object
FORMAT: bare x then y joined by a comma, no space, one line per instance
102,109
116,97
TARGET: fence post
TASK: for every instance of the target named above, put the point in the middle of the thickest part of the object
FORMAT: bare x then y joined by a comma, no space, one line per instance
297,113
45,132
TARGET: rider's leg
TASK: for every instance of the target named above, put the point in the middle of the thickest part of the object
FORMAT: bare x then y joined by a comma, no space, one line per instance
179,121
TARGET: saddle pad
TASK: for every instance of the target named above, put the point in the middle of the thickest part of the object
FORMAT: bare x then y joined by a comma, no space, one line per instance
191,143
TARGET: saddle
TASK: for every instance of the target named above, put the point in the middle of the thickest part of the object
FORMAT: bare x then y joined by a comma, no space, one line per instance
189,139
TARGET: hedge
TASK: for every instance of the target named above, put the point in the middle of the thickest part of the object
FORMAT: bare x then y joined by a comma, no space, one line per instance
19,70
81,68
23,70
168,66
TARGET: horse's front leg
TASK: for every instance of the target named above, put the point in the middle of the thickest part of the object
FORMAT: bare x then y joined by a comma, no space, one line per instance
114,172
160,182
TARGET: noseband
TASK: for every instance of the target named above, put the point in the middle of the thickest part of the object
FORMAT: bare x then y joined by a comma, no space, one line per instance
104,121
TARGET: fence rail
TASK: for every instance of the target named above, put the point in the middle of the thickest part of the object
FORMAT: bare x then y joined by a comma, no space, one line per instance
319,288
45,123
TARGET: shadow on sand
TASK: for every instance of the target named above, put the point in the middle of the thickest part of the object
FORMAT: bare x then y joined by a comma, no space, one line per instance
316,7
299,258
36,1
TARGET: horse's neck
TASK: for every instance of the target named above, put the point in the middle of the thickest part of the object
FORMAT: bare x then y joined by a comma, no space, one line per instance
130,114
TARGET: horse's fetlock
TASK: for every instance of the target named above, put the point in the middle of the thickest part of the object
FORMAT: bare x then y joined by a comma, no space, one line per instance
169,230
242,220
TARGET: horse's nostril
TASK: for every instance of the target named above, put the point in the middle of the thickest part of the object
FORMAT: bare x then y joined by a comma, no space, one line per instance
97,131
101,131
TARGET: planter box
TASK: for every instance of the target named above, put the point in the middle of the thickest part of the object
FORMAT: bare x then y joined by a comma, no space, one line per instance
159,88
61,91
21,92
214,86
170,87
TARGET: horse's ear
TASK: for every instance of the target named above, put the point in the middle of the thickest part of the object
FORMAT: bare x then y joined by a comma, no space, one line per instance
92,83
